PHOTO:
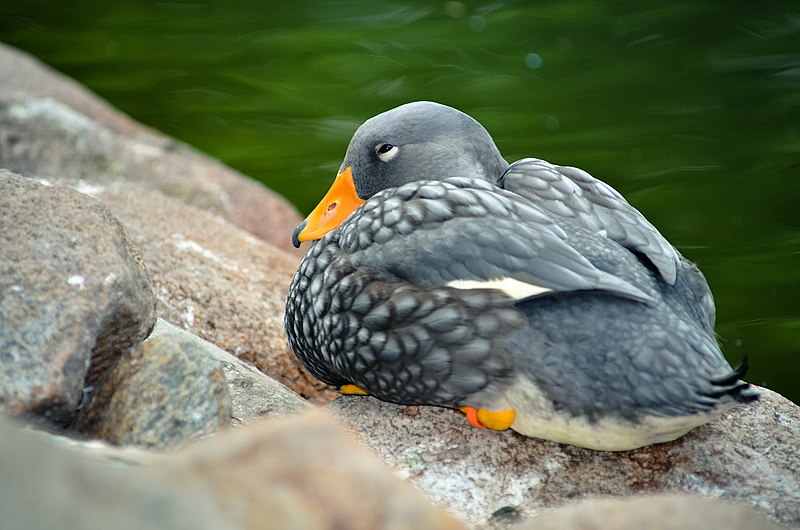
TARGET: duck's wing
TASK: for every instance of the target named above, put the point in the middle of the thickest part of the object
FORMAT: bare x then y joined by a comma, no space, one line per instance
572,193
469,234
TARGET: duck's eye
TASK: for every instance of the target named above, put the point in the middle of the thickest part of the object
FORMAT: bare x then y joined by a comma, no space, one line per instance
386,152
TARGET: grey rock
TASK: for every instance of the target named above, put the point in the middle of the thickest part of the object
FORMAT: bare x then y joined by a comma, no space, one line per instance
51,127
749,455
253,394
191,217
215,280
166,391
47,486
302,472
656,512
73,294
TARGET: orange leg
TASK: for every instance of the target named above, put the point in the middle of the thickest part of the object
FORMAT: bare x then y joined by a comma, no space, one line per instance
472,417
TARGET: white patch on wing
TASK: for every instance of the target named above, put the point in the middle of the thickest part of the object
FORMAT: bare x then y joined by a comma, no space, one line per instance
514,288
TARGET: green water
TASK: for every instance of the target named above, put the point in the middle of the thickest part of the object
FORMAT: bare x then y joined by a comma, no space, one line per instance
690,109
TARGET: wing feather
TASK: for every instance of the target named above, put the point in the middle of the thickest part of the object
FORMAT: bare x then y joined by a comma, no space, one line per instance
473,233
572,193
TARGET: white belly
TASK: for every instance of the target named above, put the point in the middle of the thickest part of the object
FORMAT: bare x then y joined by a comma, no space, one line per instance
536,417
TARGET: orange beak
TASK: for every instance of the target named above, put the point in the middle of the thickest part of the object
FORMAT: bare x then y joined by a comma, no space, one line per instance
337,205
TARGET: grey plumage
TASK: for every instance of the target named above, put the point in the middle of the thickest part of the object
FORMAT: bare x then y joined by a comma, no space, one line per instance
466,281
515,239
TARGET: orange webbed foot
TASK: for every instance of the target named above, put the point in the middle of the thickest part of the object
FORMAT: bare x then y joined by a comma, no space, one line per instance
498,420
353,390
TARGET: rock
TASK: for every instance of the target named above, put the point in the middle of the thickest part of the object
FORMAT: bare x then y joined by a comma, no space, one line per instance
166,391
659,512
187,214
305,472
749,455
215,280
74,292
253,394
52,127
48,486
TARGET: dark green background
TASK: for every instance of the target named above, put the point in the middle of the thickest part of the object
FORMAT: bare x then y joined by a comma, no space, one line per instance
690,109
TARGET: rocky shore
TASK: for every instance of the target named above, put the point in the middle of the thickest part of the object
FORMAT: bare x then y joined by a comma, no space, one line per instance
145,377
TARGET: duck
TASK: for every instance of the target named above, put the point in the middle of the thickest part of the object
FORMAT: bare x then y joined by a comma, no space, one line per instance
528,296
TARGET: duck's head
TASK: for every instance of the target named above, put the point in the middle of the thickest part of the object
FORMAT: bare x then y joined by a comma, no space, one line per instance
417,141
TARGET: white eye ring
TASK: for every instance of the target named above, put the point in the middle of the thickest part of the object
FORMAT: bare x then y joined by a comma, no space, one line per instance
386,152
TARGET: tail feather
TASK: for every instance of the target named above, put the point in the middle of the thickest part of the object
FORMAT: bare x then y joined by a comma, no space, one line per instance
734,376
731,384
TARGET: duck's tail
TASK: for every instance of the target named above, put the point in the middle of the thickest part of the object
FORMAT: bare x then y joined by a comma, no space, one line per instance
731,384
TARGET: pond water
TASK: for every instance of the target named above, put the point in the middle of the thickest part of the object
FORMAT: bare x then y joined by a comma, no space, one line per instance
690,109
